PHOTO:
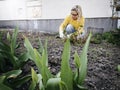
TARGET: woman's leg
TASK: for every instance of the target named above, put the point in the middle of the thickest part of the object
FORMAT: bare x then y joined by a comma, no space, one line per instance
69,29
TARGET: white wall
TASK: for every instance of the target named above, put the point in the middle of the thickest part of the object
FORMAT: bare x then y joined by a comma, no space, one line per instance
91,8
12,9
55,9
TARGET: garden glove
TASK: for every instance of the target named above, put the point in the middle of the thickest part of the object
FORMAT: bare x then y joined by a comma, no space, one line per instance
61,34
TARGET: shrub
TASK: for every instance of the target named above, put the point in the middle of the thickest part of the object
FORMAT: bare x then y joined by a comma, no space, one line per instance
96,39
11,77
8,53
112,37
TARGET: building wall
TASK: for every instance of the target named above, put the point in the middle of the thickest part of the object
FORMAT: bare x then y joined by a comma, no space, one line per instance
53,9
12,9
91,9
52,25
13,13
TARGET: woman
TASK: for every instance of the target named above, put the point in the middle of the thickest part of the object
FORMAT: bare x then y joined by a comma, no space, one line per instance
73,24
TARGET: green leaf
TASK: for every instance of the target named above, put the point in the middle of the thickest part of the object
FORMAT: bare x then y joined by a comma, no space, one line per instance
34,76
4,87
119,68
13,59
66,72
81,87
2,77
19,81
4,47
77,60
41,65
45,72
38,60
58,74
40,46
34,80
8,49
45,55
36,83
13,73
63,86
46,75
53,84
29,48
41,86
13,40
2,63
84,60
23,58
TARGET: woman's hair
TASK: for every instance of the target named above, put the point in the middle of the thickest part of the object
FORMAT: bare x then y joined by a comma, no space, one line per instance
78,9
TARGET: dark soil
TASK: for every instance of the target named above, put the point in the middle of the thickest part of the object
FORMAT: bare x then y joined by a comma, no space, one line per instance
103,59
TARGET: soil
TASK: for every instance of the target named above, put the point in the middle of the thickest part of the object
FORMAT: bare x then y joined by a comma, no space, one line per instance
103,59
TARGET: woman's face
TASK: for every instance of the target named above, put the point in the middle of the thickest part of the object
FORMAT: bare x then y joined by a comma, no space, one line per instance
74,15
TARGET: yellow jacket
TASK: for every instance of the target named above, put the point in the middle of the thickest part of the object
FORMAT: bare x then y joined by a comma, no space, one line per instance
77,24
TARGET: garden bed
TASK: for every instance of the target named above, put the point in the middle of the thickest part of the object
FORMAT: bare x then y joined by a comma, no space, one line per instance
103,59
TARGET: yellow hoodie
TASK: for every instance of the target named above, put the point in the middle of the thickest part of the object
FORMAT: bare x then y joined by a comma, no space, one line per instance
77,24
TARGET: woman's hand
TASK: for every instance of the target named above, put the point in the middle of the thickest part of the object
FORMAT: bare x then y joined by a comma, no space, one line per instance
61,34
